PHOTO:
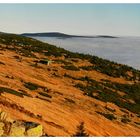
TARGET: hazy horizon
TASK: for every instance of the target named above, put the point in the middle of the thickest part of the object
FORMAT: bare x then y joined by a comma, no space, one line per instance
74,19
73,34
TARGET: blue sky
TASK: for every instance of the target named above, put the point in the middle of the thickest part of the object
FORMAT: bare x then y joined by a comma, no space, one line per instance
84,19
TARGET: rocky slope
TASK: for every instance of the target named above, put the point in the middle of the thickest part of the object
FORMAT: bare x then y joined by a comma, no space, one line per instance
69,90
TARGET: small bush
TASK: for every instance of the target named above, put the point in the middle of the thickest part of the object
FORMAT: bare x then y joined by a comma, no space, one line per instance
63,62
44,99
70,100
81,131
125,120
138,123
138,115
108,116
31,86
25,93
14,92
44,61
1,63
71,67
45,94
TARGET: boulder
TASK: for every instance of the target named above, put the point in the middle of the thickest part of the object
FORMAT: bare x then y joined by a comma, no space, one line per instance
1,132
1,125
17,130
36,131
1,128
9,119
3,116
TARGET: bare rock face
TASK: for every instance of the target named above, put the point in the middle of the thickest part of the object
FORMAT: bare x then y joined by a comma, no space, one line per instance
17,128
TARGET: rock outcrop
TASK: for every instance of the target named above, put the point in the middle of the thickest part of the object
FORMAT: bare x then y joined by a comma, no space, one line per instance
35,131
18,128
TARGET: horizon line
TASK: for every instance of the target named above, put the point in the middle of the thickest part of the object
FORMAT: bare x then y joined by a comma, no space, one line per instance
71,34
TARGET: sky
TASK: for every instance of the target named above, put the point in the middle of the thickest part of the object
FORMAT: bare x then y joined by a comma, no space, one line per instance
78,19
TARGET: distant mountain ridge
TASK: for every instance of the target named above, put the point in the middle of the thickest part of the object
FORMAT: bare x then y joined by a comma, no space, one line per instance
58,34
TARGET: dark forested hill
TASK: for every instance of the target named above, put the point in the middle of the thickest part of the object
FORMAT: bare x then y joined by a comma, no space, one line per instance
62,35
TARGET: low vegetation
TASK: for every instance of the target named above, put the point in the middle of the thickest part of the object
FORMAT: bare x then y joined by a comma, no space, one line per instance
81,131
112,69
1,63
138,123
14,92
44,99
107,115
108,92
45,94
62,62
70,100
125,120
27,46
31,86
71,67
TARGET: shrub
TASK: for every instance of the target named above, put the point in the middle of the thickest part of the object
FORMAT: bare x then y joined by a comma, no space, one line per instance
45,94
63,62
125,120
70,100
44,61
111,68
138,123
31,86
108,116
44,99
1,63
14,92
24,93
81,131
107,92
70,67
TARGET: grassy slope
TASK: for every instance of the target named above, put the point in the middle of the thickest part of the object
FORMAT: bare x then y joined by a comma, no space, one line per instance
82,82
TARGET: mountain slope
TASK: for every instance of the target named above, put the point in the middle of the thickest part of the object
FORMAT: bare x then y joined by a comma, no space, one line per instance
73,88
